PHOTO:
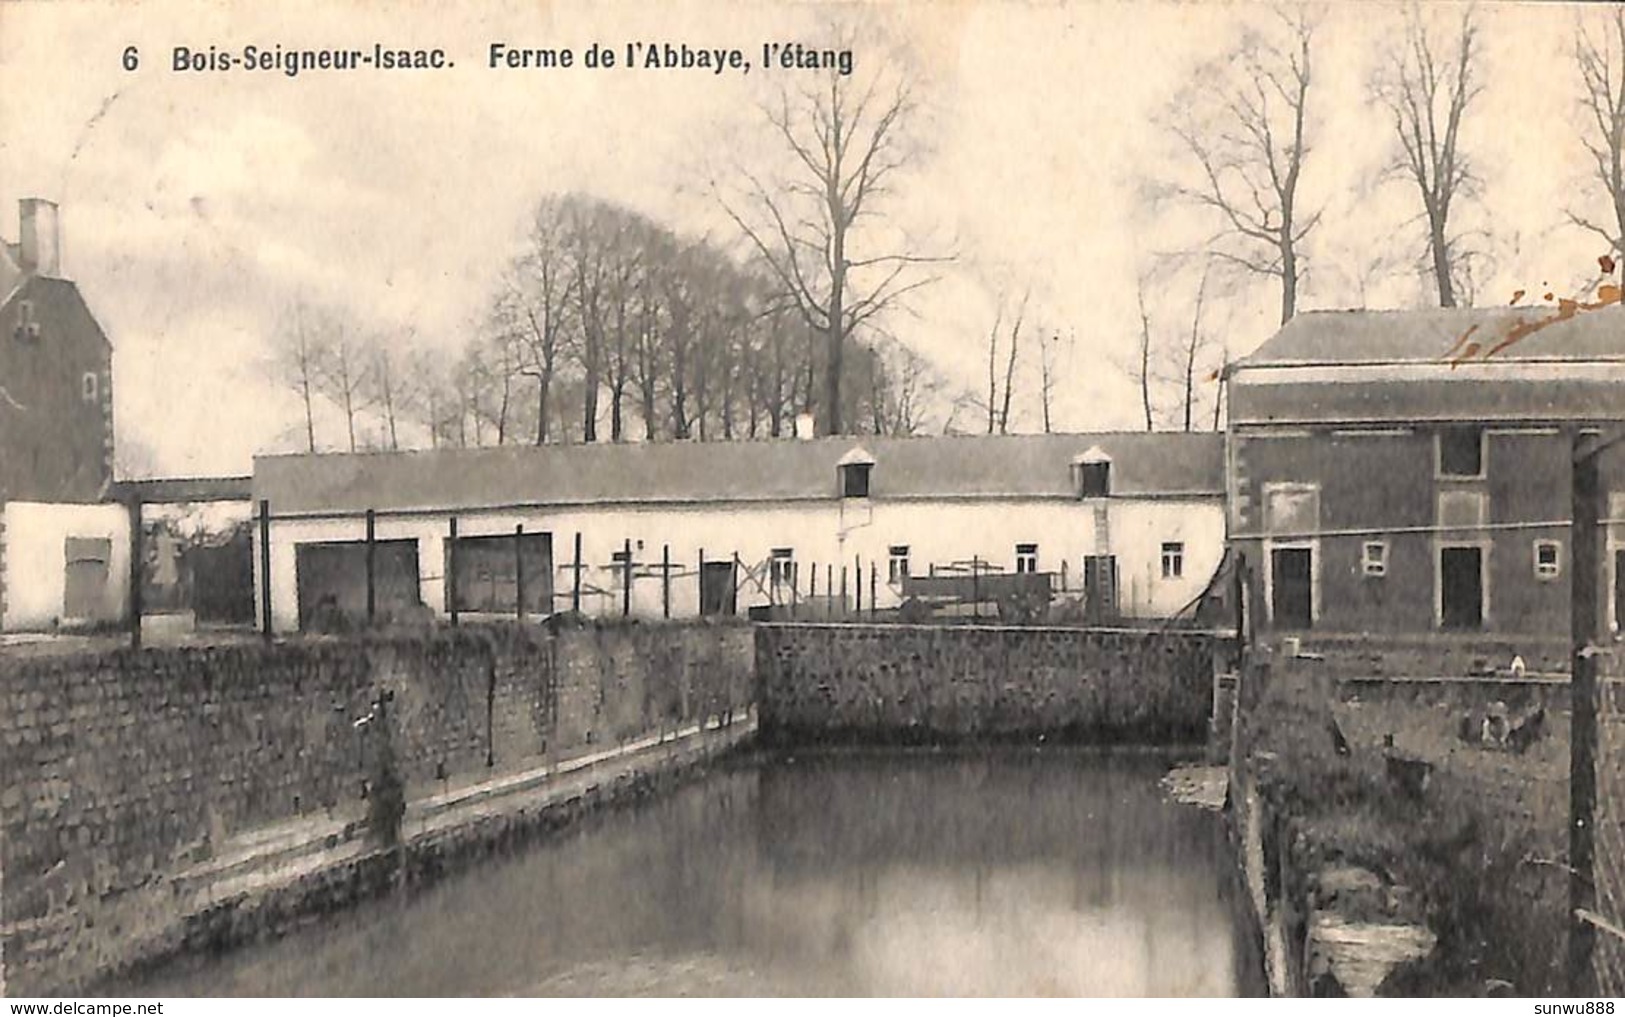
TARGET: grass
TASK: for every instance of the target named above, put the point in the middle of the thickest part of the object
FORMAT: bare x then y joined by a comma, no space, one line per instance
1478,856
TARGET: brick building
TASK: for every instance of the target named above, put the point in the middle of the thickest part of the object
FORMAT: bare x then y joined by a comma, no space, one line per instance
61,554
1409,472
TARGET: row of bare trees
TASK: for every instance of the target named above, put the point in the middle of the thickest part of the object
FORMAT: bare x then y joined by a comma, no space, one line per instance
607,325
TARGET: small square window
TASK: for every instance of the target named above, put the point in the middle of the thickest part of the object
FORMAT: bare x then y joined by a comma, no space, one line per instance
1548,559
1094,480
1461,452
1374,558
90,386
1173,559
1026,557
897,563
855,480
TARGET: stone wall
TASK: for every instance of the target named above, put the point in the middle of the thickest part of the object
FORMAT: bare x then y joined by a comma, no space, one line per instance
904,682
122,770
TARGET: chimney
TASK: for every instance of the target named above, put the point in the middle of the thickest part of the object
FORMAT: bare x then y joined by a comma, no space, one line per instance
40,247
804,425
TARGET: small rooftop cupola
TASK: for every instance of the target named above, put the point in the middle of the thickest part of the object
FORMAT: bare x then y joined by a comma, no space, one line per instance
854,469
1092,473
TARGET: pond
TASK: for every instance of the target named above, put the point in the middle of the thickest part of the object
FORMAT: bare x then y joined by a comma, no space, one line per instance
867,873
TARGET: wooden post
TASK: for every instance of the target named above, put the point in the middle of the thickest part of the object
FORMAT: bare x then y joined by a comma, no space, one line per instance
700,583
138,559
519,572
372,566
733,587
665,580
575,588
975,587
843,591
874,582
829,585
451,571
265,569
857,581
1585,565
626,594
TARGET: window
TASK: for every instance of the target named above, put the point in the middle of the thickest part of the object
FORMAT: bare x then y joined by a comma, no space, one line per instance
855,480
896,563
90,386
1173,559
27,324
782,567
1374,558
1094,480
1026,557
1548,559
1461,452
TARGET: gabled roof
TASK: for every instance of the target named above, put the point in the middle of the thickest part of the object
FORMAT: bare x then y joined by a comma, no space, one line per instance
1151,465
1441,335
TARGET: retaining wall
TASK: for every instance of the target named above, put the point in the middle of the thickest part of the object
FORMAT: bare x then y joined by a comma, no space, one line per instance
906,682
124,770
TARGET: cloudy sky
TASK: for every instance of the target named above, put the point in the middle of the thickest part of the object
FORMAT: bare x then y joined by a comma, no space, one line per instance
197,206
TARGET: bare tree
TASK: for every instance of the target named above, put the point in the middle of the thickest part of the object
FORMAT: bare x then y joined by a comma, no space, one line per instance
1193,344
535,301
1600,59
1047,352
1243,122
846,143
342,372
1427,86
298,362
1010,364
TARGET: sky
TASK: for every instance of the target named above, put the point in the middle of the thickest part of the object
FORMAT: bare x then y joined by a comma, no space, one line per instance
198,207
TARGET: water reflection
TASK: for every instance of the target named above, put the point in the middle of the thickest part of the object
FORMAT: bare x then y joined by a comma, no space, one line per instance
1011,873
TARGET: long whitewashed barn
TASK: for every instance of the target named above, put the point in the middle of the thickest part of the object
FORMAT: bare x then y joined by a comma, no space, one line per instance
705,528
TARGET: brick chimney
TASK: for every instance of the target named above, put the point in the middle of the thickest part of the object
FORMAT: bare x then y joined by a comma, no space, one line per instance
40,242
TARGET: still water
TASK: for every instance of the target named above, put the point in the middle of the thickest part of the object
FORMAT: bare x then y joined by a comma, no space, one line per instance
874,873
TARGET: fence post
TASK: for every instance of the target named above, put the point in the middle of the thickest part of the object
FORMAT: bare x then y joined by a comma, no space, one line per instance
138,559
575,585
372,566
451,571
874,580
626,594
975,587
733,607
843,591
829,586
857,581
519,572
1583,600
265,569
700,583
665,580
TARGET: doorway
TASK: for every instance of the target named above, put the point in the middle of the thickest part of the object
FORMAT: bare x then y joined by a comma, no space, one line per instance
1292,601
86,584
717,588
1461,587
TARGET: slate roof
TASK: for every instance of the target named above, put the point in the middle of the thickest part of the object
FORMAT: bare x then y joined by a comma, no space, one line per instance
1152,465
1413,336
